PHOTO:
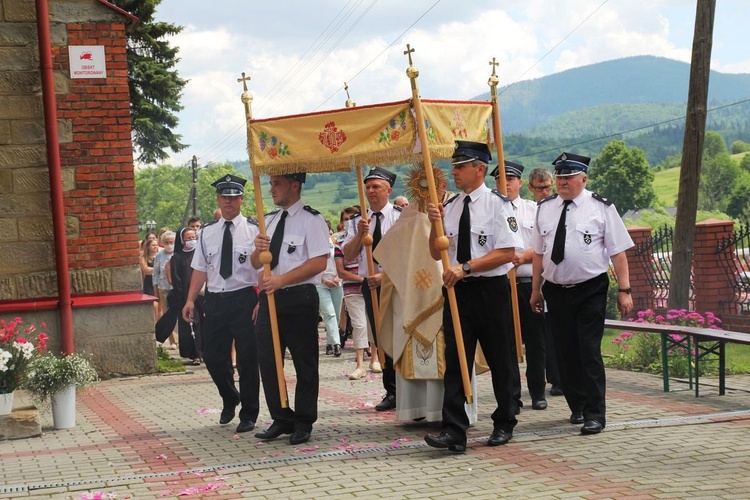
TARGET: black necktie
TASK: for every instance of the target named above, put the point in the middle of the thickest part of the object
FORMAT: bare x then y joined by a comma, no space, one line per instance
558,247
278,236
377,233
226,251
463,254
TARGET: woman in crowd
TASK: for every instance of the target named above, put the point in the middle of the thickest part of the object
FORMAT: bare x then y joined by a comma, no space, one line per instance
179,272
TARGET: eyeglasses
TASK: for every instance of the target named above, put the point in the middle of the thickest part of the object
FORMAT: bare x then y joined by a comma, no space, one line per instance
539,189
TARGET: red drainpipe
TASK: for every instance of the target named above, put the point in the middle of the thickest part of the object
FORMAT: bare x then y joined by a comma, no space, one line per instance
55,177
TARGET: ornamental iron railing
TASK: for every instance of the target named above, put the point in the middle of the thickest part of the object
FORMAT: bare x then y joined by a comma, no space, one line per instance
734,255
655,257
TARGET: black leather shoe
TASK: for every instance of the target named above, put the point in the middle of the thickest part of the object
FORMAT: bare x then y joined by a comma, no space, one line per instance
592,427
499,437
556,391
299,436
576,417
445,441
337,350
246,426
273,432
388,403
539,404
329,350
227,414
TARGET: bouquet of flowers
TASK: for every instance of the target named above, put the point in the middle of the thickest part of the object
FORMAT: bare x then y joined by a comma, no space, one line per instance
18,347
50,374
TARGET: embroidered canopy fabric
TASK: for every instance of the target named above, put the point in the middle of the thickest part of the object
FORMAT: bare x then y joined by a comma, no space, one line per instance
382,134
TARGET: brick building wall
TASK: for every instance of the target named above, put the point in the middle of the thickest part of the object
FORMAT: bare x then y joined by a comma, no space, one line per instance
96,154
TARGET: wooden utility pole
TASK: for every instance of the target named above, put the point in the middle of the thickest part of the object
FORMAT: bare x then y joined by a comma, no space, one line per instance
692,155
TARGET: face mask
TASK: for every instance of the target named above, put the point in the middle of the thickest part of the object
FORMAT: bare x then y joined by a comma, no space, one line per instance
169,248
189,245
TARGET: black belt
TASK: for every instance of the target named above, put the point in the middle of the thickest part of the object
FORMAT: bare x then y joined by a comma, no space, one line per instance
523,279
473,279
226,295
573,285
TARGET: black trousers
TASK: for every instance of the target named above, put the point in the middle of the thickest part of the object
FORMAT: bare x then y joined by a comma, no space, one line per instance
577,323
389,374
484,312
297,314
229,317
552,365
533,332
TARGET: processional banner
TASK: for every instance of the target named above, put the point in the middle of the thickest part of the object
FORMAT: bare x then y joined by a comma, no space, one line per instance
449,121
382,134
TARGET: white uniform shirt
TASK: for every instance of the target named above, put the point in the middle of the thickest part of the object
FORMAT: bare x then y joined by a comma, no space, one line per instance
594,232
491,227
305,237
390,214
525,212
207,255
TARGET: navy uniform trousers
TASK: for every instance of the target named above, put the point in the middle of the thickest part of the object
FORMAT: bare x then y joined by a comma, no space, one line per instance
389,374
533,332
229,316
484,311
297,314
577,322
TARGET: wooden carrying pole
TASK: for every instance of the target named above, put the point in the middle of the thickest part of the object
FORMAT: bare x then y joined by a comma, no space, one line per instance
367,243
265,257
493,81
441,242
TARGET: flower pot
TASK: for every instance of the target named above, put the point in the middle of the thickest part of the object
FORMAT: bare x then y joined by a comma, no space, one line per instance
6,403
64,408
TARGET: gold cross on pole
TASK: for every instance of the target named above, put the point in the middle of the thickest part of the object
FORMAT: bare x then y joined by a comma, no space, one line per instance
408,52
493,63
346,88
244,81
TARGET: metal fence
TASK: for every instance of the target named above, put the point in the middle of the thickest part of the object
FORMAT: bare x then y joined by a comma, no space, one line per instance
734,255
655,257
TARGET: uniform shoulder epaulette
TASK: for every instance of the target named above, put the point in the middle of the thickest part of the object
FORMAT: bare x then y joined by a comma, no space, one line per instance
501,195
550,197
210,223
252,221
272,212
355,215
397,208
450,200
601,198
311,210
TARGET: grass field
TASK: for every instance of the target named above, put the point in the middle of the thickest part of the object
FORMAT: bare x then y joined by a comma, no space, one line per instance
666,186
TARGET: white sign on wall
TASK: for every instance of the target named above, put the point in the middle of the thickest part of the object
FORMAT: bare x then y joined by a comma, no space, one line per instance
87,61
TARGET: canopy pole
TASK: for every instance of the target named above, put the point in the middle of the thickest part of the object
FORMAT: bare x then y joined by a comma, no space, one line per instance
367,243
498,135
441,242
265,257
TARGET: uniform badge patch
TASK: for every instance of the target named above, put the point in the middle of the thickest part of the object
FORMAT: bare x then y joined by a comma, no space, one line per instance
513,224
291,249
587,238
242,258
482,239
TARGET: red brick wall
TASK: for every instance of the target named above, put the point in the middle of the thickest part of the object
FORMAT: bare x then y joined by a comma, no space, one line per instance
101,153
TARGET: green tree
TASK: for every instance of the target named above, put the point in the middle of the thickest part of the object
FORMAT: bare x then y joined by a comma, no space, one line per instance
745,163
738,203
155,87
740,147
623,175
162,193
718,174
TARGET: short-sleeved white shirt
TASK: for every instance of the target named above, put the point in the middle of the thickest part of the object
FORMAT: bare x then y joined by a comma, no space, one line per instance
594,232
491,226
390,214
525,212
305,237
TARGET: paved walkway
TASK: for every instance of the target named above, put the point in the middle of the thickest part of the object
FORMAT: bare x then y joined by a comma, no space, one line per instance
157,437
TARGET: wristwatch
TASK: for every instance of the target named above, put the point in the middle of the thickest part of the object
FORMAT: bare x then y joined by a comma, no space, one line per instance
466,267
627,290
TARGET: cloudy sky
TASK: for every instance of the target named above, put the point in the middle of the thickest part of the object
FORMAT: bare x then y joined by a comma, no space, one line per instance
299,53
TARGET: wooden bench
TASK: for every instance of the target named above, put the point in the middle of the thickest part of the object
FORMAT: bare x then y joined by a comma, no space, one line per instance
706,341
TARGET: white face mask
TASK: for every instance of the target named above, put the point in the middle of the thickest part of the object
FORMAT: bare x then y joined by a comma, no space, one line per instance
189,245
169,248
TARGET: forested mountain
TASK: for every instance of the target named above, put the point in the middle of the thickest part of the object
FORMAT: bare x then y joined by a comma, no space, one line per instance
527,106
